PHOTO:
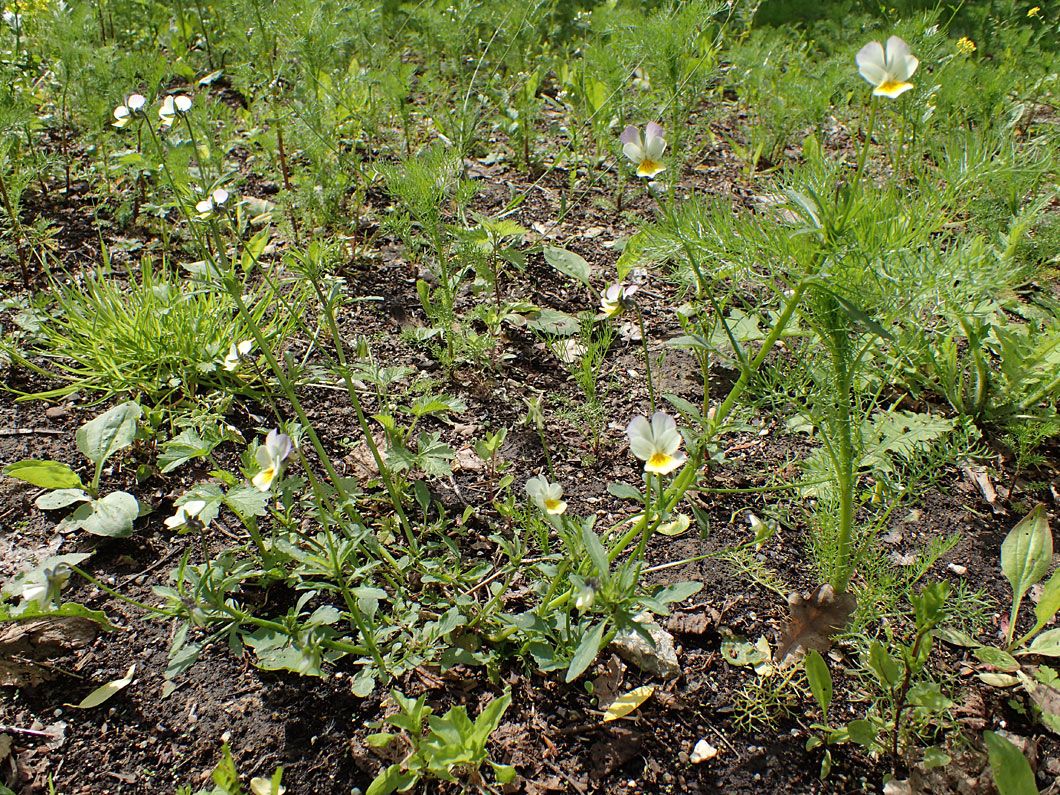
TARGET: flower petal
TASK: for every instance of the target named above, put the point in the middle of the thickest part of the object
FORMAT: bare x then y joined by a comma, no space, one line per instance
634,151
872,63
631,135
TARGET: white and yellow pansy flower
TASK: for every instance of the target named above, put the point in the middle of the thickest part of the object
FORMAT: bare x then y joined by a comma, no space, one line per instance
888,68
646,152
270,457
656,443
547,496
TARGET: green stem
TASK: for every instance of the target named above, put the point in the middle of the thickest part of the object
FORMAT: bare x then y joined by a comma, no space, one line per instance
647,357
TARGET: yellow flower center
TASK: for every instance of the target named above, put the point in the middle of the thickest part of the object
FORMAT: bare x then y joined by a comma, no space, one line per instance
892,88
554,506
658,461
649,168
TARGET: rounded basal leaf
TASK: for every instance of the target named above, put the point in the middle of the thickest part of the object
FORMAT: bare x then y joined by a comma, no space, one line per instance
997,658
111,516
108,433
60,498
1047,644
44,474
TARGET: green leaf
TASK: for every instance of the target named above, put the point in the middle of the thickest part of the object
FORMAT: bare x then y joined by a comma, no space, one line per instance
929,696
391,779
247,501
819,678
505,774
597,553
1047,644
883,664
104,693
60,498
935,757
568,263
34,610
108,433
863,733
624,491
490,717
44,474
181,449
678,592
1012,771
1001,660
1048,603
586,651
111,516
954,637
1027,552
552,321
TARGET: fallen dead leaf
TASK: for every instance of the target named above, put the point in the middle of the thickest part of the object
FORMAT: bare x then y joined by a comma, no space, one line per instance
814,618
625,704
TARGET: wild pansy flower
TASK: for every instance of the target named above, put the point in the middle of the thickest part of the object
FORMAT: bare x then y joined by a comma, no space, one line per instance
616,299
656,443
646,152
124,113
1034,12
216,199
187,515
236,354
887,68
270,457
547,496
172,107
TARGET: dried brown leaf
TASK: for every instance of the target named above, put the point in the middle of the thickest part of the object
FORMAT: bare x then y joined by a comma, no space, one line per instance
691,623
814,618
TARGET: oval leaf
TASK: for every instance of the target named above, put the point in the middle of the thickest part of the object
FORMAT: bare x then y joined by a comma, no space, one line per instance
623,705
568,263
44,474
820,679
1001,660
60,498
1012,771
1027,551
552,321
1047,644
102,694
108,433
111,516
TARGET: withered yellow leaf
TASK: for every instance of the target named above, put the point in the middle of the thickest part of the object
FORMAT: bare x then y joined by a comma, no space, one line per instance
623,705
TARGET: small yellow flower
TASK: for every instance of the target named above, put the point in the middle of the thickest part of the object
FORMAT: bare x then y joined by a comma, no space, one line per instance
966,45
1034,12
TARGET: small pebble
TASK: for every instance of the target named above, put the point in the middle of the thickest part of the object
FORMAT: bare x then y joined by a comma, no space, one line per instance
702,752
